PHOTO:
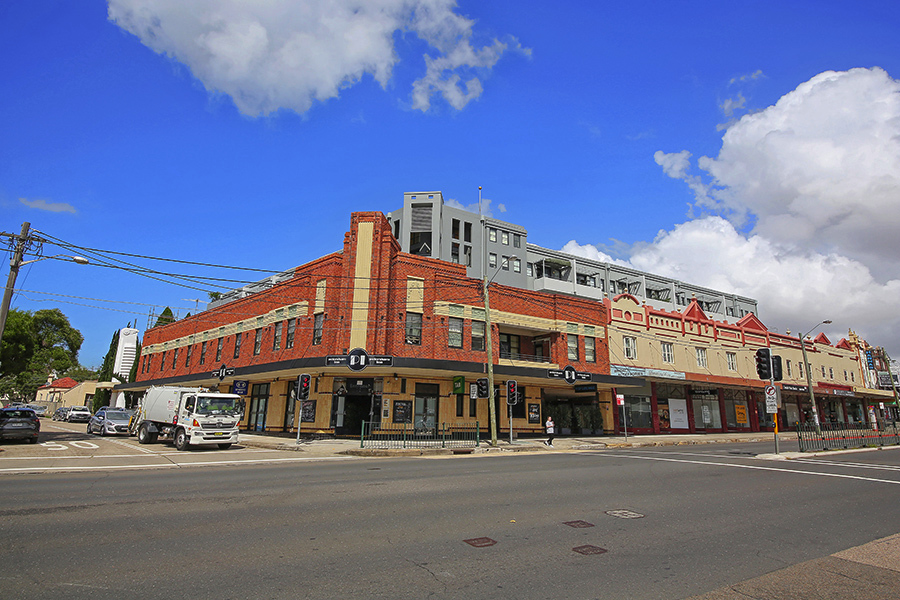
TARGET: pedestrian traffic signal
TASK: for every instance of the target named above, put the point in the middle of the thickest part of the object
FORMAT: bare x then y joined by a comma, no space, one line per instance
512,391
482,387
303,387
764,363
776,367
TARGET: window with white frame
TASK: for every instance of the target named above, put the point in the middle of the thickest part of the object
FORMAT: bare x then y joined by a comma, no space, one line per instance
701,358
477,335
668,352
414,328
257,342
504,238
455,332
492,234
572,340
590,352
492,260
629,344
731,359
788,365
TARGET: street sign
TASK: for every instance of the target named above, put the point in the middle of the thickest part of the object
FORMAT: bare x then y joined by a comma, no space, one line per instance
771,400
620,399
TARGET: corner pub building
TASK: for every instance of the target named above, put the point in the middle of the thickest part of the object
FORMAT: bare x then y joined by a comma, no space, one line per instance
419,323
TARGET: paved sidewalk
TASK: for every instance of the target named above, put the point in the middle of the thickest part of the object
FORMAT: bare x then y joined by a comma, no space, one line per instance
330,446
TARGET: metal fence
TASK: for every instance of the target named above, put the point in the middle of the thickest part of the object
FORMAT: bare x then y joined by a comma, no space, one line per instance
838,436
406,435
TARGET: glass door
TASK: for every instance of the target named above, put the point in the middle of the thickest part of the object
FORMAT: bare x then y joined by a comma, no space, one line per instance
426,406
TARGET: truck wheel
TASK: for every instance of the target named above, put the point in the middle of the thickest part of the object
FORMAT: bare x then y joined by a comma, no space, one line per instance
181,440
143,434
224,446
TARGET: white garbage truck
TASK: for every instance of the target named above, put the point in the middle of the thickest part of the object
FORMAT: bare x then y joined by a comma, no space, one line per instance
188,416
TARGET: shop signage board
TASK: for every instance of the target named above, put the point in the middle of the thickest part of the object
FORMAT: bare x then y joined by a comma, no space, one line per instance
358,359
625,371
223,372
569,374
794,388
586,387
240,387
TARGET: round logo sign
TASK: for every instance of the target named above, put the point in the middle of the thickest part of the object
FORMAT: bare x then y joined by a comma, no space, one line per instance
357,359
569,374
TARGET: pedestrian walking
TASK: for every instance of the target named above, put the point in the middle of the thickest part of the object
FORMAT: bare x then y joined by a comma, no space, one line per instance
551,429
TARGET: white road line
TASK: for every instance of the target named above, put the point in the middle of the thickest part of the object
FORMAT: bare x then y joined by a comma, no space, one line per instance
753,467
173,465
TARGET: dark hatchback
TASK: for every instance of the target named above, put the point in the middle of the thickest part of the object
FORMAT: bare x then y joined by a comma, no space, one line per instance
19,423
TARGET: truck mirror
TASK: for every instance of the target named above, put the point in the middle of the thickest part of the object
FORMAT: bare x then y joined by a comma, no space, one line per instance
189,405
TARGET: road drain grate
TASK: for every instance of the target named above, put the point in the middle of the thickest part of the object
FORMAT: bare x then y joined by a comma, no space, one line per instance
588,550
482,542
625,514
578,524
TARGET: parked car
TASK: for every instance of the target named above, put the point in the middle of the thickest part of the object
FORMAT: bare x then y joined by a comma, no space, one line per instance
78,414
109,420
19,424
38,409
61,413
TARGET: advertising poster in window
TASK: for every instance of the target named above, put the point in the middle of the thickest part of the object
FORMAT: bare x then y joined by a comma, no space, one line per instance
308,411
663,411
740,414
678,414
534,413
403,411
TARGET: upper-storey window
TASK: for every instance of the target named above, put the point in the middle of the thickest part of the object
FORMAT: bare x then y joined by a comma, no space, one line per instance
414,328
504,238
492,234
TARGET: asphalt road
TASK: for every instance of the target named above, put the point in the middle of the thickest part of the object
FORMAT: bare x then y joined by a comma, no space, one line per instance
662,523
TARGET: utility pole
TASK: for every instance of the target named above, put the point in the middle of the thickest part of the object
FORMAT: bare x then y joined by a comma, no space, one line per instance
14,264
492,418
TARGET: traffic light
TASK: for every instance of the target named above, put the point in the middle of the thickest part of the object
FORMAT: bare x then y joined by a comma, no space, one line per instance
776,367
303,387
482,387
764,363
512,391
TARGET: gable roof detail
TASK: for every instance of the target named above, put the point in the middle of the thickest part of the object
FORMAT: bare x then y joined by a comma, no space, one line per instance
751,321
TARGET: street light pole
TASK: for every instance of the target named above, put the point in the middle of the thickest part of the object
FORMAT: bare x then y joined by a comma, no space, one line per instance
808,368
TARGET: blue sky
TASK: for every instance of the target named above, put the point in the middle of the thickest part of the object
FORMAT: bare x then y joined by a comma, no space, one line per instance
705,140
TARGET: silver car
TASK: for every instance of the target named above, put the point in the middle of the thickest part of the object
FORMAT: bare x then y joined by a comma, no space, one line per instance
109,421
78,414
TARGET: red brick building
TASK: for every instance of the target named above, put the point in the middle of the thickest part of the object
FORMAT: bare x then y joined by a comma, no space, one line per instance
390,336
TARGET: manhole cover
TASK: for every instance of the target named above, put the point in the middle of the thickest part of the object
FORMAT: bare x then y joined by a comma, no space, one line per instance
578,524
482,542
588,549
625,514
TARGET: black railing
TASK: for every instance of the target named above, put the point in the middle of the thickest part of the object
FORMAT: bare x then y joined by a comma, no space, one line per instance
407,435
839,436
524,357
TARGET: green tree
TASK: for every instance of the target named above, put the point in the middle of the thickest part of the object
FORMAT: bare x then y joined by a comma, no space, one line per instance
18,343
165,318
36,346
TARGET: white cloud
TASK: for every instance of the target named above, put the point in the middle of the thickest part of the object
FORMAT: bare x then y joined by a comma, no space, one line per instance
591,252
817,177
749,77
729,105
794,288
48,206
291,53
819,169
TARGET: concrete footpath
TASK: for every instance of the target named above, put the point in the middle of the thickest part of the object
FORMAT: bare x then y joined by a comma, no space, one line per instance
325,446
867,572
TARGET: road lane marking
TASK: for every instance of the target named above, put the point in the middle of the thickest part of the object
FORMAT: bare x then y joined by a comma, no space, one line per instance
169,464
753,467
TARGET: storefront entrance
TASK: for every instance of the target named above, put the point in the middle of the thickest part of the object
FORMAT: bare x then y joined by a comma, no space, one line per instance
351,405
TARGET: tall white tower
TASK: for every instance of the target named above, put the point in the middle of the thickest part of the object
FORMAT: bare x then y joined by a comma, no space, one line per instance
125,355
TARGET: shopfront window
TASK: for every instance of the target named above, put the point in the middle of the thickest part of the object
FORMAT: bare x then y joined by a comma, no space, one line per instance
706,411
737,410
636,413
